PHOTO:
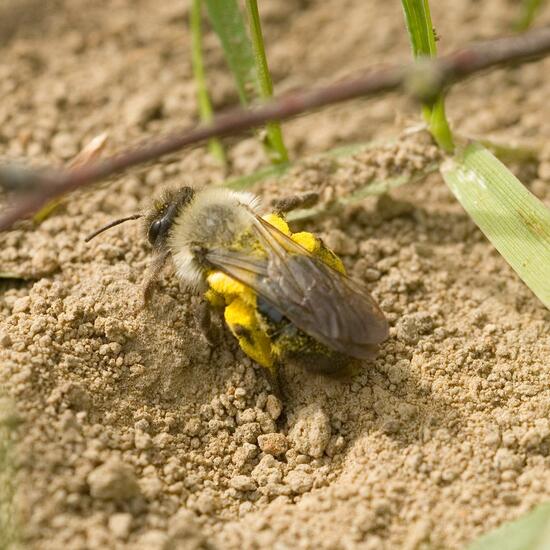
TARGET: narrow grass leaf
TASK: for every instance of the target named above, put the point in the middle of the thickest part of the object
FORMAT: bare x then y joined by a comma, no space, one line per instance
206,113
419,26
439,125
379,187
508,152
512,218
228,23
422,38
530,532
529,10
245,182
371,189
247,61
11,275
242,183
274,136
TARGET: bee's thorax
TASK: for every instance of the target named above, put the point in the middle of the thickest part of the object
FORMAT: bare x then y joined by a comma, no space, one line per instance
215,218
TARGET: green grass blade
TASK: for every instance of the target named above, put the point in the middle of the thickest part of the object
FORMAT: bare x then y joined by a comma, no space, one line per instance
508,152
89,153
247,61
206,113
228,23
529,9
245,182
513,219
47,210
371,189
274,135
530,532
11,275
439,126
422,38
419,26
242,183
381,186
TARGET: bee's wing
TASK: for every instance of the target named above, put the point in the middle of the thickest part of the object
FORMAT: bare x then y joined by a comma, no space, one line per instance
317,299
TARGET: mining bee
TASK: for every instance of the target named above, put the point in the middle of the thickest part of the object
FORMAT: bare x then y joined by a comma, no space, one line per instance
285,296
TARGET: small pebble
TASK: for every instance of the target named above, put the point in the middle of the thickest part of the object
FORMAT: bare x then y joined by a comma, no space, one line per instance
273,407
274,443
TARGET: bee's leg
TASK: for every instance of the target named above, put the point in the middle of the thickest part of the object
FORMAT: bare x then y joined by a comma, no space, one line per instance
208,328
151,275
271,376
287,204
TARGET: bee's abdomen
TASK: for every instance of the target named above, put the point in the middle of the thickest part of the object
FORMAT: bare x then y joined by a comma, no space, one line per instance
288,343
271,313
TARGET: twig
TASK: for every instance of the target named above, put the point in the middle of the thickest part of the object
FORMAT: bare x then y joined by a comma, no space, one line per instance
437,73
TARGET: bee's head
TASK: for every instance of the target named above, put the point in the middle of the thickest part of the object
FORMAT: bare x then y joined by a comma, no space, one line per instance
160,219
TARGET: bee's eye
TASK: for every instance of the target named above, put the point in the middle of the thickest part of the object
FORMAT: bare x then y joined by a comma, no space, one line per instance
154,230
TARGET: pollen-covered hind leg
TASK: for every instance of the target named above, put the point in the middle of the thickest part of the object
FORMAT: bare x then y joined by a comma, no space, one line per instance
242,319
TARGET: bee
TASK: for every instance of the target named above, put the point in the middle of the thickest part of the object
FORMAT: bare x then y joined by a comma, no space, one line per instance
285,296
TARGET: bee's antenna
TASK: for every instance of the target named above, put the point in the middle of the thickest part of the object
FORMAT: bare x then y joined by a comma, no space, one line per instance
112,224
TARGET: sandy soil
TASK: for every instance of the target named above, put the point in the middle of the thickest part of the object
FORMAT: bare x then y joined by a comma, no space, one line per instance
131,432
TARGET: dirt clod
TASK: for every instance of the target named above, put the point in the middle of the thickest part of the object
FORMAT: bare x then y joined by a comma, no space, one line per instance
120,525
274,443
113,480
311,431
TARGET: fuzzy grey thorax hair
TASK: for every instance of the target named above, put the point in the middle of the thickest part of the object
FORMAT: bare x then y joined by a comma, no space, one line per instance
213,218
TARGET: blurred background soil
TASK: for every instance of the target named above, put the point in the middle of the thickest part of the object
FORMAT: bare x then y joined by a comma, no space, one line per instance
132,432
